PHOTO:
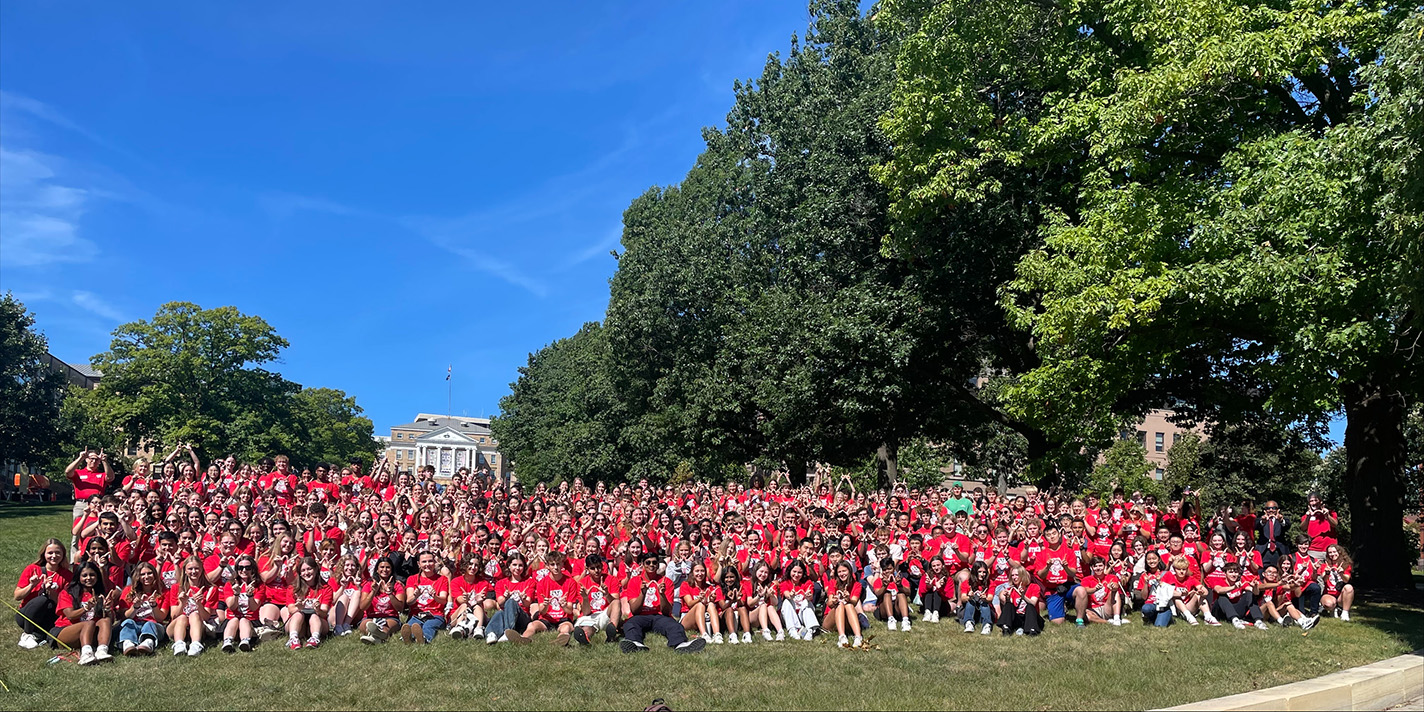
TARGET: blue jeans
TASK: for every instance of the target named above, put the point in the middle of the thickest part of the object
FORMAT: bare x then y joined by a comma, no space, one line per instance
1160,617
428,625
982,613
511,617
131,631
1058,602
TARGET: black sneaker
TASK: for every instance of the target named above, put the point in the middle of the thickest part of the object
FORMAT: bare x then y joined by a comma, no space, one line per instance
245,645
580,636
610,633
692,646
629,646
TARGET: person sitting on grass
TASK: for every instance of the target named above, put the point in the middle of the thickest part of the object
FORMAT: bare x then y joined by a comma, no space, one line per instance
86,615
193,605
38,592
892,591
1333,575
699,600
1016,608
796,593
426,594
647,599
763,603
514,596
345,586
471,596
1275,597
843,593
732,604
600,601
243,597
311,603
1235,601
556,600
382,600
144,613
1104,593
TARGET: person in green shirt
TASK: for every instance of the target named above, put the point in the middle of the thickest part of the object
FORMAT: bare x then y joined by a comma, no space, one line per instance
957,501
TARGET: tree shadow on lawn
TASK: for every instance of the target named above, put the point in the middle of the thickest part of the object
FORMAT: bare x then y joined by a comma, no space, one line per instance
12,511
1400,620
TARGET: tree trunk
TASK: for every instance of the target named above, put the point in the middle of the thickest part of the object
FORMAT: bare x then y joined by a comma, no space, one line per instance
889,457
1003,482
1375,452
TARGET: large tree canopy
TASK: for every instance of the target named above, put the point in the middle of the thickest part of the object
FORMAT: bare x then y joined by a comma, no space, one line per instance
197,376
30,390
1240,231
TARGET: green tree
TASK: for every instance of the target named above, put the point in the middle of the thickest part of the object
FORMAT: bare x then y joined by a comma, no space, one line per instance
560,420
1216,203
1124,465
197,376
30,391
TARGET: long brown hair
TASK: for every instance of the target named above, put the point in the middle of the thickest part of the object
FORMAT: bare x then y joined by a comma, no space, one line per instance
64,554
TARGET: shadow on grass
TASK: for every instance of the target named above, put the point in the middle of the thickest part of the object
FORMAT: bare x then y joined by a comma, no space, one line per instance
10,511
1399,620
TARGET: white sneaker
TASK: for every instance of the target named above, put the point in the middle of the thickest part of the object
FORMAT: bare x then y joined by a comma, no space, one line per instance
87,657
1018,631
936,617
1191,619
1261,625
1238,624
195,649
781,635
491,639
101,653
747,637
905,625
808,635
890,624
180,648
844,640
1336,611
1345,616
29,642
766,633
988,628
858,642
1210,619
478,632
716,639
968,626
927,617
1117,621
732,638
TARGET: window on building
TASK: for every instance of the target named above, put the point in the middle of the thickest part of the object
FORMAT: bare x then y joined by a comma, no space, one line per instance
1176,437
400,436
1124,434
1142,438
1160,442
399,455
1158,473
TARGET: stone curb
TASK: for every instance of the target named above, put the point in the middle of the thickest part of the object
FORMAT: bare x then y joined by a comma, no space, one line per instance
1377,686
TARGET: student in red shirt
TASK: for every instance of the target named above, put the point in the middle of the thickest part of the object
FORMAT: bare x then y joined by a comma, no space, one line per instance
345,584
38,592
471,596
647,599
763,603
243,597
141,605
797,593
382,600
1235,600
1103,592
514,599
975,596
732,604
1333,574
86,615
1016,605
311,602
192,605
600,602
556,600
698,597
426,595
843,594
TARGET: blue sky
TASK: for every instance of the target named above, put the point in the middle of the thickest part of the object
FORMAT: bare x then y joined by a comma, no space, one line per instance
394,190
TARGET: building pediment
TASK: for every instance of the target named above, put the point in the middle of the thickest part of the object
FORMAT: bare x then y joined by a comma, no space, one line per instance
445,436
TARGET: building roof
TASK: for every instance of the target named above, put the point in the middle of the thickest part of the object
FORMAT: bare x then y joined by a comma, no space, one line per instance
427,423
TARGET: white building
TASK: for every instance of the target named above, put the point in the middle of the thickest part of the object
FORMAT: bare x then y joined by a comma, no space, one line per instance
447,443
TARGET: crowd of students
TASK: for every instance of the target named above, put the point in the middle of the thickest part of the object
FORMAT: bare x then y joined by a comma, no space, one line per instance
236,554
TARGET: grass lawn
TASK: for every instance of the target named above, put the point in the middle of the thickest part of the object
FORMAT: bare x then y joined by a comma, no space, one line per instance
935,667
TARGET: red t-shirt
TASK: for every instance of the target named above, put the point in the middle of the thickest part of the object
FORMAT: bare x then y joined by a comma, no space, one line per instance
647,596
249,599
1019,600
314,599
475,591
382,604
597,591
1053,563
553,596
798,595
428,591
1099,597
207,596
521,591
87,483
49,583
143,604
67,602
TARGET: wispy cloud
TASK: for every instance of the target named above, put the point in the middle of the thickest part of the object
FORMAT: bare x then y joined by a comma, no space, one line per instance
96,305
39,214
281,206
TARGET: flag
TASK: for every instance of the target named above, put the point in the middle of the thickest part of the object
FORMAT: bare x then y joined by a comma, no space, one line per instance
450,369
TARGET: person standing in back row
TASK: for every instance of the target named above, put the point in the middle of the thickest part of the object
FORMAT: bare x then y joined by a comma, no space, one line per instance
89,482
